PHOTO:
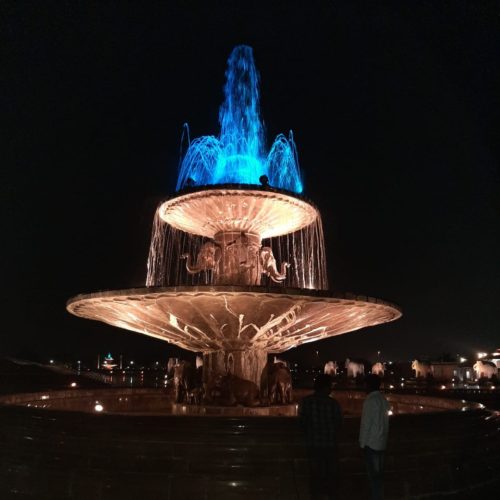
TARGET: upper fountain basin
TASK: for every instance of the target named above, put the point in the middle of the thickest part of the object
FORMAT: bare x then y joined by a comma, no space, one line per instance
250,209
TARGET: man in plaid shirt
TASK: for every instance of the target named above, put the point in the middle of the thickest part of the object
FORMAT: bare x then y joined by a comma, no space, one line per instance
320,418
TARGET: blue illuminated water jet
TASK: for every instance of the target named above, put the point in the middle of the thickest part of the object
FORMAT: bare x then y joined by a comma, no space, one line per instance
238,154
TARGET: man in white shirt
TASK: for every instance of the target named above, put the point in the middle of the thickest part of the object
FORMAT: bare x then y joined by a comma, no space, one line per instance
373,434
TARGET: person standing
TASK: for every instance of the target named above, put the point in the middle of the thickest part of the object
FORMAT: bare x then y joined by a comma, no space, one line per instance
321,417
373,433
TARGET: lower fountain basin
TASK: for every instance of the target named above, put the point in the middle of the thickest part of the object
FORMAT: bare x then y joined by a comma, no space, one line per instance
213,318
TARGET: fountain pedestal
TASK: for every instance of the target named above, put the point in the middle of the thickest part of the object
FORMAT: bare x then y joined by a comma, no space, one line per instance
248,364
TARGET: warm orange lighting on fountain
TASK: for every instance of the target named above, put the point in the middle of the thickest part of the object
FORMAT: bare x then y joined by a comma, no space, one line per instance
228,318
264,213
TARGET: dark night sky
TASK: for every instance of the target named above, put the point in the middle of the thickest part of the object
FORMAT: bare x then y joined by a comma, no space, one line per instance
395,109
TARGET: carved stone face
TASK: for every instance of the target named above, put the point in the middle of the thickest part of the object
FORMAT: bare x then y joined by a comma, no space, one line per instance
239,263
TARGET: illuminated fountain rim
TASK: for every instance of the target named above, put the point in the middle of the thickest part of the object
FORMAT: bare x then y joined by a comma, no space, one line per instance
278,318
265,211
144,401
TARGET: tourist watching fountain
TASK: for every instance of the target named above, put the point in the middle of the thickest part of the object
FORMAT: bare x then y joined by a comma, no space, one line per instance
321,418
373,434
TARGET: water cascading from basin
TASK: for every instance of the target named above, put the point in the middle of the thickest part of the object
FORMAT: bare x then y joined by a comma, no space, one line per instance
251,236
237,264
302,250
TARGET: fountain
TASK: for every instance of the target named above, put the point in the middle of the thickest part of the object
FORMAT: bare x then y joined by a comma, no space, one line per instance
237,266
236,270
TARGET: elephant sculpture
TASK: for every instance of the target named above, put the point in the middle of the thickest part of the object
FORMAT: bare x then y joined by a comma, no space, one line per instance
279,383
187,383
421,369
331,368
378,369
484,370
239,261
268,263
354,369
230,390
199,362
172,362
208,258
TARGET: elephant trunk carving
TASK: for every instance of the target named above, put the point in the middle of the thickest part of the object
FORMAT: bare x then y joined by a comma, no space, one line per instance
189,264
208,258
227,264
269,265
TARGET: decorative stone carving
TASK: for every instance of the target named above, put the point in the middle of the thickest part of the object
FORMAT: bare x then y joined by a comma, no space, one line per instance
229,390
354,369
208,258
280,383
331,368
236,258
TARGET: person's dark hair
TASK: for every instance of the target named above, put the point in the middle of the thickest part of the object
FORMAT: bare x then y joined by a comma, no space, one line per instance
323,382
372,382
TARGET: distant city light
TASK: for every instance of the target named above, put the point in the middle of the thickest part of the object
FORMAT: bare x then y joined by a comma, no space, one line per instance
481,355
51,361
462,360
390,412
443,387
98,407
73,384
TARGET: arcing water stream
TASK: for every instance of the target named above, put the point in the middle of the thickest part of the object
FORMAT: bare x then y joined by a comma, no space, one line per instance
238,155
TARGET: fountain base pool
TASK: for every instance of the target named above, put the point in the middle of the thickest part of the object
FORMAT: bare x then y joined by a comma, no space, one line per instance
139,451
158,402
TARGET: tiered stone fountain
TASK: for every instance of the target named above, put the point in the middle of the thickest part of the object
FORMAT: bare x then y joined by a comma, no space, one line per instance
244,305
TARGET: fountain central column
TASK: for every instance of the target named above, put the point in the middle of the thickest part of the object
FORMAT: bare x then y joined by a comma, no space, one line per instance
237,258
245,364
239,262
